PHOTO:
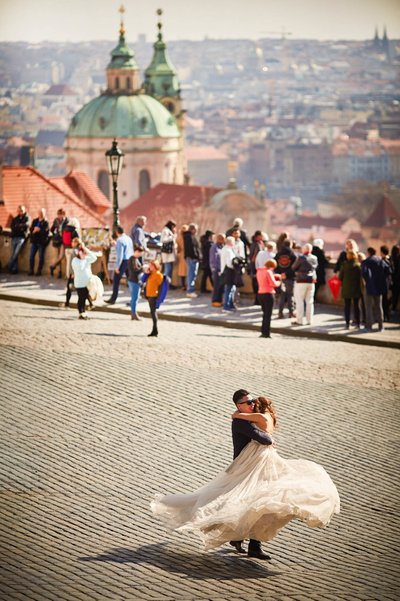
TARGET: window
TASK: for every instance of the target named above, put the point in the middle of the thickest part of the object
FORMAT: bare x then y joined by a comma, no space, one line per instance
144,181
103,182
128,83
117,83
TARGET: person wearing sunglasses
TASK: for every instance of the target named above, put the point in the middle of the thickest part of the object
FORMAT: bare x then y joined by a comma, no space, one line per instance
257,494
244,432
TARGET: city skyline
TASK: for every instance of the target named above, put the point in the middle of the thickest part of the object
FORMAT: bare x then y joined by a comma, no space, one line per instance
22,20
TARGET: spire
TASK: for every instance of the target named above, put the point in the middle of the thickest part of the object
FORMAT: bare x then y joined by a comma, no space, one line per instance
121,10
376,43
386,45
160,76
122,70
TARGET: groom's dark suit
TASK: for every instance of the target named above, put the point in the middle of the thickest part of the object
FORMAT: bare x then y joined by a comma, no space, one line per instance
244,432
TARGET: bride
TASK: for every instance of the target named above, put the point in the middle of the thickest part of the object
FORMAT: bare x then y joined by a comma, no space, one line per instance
256,496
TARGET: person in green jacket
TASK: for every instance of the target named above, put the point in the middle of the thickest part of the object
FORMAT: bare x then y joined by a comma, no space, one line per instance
350,276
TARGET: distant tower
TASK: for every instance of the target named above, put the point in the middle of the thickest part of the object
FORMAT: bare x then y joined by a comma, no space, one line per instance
385,43
376,44
161,80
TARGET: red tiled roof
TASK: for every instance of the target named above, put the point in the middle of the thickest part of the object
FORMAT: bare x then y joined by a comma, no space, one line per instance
27,186
384,214
167,201
60,90
83,187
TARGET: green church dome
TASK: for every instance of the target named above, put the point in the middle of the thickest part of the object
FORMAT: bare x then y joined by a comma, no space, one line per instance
123,116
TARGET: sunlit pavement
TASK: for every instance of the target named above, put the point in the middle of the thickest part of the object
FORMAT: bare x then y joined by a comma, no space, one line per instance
89,434
328,321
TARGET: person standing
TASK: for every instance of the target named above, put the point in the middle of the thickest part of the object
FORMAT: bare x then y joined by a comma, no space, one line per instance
180,244
350,276
124,253
39,238
239,247
305,272
318,251
81,267
350,244
384,251
257,245
228,273
395,265
374,272
153,287
215,266
238,225
135,269
285,259
192,257
137,232
56,239
168,248
267,282
280,241
70,231
19,234
269,252
206,243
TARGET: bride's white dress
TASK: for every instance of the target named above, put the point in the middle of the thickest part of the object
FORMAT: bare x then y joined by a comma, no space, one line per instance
254,497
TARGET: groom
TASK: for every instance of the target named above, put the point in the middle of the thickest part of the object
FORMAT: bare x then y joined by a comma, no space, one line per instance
244,432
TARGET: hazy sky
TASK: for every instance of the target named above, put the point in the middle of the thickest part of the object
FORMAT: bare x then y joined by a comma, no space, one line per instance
77,20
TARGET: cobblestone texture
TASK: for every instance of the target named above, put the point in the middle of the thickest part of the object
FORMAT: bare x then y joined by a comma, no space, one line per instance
90,432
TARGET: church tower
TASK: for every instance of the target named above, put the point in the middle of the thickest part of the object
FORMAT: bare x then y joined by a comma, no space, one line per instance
122,71
146,131
161,80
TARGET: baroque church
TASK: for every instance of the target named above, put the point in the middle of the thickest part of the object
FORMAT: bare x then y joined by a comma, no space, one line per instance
145,118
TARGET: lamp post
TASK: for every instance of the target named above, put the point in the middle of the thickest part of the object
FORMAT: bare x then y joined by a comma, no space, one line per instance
115,158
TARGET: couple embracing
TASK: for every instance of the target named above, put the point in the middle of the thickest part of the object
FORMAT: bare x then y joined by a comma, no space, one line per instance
258,494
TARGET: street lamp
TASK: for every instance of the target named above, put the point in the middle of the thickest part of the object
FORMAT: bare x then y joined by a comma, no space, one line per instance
115,158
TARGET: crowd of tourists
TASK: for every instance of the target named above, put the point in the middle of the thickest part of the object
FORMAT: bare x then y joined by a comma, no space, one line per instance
283,273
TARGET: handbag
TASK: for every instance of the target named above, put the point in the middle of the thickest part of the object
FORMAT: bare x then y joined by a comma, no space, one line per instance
167,247
335,285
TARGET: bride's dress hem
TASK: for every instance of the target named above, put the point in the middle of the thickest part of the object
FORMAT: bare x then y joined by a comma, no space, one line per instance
255,497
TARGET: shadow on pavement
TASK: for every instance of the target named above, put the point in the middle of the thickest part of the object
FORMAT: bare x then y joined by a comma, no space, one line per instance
223,565
113,335
218,335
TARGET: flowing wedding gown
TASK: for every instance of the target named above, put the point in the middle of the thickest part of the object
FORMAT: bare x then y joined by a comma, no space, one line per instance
256,496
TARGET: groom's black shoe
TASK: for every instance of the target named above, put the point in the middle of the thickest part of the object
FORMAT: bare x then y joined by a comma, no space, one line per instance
258,555
238,546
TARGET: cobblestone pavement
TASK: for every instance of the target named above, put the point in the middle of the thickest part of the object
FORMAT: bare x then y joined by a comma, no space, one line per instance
328,321
96,418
